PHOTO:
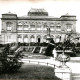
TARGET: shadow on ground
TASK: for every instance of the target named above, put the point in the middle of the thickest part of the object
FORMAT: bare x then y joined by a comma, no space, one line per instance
31,72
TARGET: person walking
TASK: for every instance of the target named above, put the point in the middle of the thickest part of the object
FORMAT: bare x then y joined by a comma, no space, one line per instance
54,53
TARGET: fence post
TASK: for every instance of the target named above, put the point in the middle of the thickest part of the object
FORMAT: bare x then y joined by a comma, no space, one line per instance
29,61
47,64
38,62
54,69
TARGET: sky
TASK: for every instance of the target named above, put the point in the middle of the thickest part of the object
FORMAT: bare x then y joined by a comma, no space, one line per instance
54,8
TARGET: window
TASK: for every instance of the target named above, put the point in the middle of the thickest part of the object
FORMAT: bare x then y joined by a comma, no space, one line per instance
38,27
19,38
58,38
32,38
58,28
9,38
26,26
38,38
9,26
69,27
26,39
32,27
52,28
45,27
19,26
44,38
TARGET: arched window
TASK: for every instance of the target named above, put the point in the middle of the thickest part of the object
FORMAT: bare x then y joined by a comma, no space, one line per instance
26,26
9,26
19,38
26,39
32,38
19,26
39,38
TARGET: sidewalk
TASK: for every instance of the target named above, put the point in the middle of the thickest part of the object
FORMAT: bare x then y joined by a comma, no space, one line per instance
74,63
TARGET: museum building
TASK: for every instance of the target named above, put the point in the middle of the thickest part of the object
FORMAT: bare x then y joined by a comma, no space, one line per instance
36,26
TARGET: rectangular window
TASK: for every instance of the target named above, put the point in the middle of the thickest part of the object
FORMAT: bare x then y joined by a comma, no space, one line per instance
38,27
52,28
32,27
9,25
26,27
19,27
69,26
9,28
44,27
9,38
58,28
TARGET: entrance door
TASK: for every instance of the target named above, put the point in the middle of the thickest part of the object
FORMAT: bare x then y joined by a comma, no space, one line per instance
38,40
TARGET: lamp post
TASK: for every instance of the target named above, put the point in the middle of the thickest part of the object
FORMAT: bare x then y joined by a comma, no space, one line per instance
63,57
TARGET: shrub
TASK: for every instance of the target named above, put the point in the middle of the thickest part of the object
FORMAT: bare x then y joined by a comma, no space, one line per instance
10,60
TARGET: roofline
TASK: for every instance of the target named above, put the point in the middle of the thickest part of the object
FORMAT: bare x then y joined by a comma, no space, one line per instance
68,16
45,19
9,14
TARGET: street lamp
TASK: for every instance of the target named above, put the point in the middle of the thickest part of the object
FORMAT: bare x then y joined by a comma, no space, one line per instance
63,57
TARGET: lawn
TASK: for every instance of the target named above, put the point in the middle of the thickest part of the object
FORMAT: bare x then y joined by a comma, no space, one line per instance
34,56
31,72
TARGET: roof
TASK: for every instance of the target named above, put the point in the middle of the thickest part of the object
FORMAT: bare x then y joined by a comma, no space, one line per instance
68,15
39,18
9,13
37,12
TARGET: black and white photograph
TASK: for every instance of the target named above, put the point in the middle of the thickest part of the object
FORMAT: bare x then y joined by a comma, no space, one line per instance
40,39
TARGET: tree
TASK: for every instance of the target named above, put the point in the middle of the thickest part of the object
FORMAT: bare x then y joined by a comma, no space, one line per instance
50,47
10,60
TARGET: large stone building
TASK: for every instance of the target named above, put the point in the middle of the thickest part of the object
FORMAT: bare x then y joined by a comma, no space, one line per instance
35,26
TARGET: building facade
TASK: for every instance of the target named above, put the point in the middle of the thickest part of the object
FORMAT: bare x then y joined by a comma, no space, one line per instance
35,26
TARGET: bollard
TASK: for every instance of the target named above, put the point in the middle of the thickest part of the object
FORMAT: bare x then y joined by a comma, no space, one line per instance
47,64
38,62
63,73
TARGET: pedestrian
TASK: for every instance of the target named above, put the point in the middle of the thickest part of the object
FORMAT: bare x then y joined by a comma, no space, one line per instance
54,53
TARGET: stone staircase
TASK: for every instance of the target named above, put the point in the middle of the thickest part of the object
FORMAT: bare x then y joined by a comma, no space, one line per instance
37,49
